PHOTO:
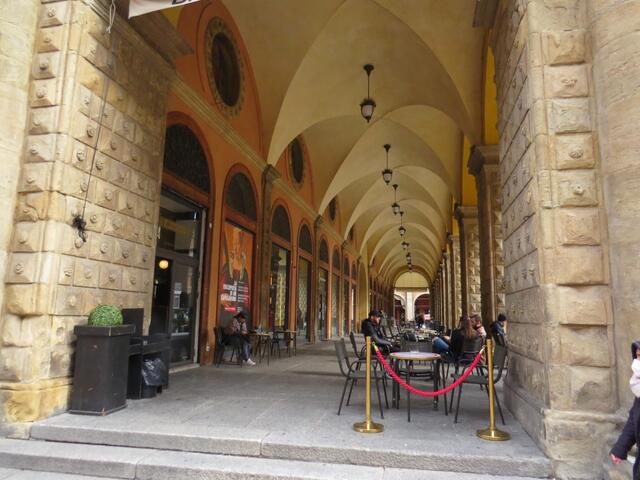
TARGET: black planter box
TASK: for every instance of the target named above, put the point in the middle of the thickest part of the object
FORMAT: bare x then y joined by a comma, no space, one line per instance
101,367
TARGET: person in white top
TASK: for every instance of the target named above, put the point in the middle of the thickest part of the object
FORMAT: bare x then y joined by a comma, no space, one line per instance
634,381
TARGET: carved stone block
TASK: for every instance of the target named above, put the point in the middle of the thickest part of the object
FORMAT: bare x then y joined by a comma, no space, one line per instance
577,188
44,120
86,273
574,151
67,270
50,39
90,77
35,177
27,236
125,252
69,301
46,65
117,226
566,81
578,226
23,268
53,14
45,93
73,245
85,130
579,265
28,299
45,148
583,305
106,195
570,115
110,277
564,47
578,388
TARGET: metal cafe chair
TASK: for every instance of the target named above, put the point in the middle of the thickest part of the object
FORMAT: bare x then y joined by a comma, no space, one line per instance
352,374
499,360
222,342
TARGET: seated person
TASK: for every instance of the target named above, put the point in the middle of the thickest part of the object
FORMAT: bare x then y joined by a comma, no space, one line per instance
371,328
476,322
497,330
237,329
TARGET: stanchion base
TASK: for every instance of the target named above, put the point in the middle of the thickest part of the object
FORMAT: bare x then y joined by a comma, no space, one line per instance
368,427
493,434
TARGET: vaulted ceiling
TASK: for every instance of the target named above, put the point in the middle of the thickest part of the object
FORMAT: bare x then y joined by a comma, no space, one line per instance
307,58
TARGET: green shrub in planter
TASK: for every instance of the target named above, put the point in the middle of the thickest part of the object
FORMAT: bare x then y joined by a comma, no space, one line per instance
105,316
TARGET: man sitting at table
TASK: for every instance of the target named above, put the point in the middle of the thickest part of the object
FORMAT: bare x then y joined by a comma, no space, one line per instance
237,330
371,328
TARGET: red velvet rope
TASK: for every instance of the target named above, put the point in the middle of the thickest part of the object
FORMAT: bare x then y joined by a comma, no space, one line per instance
424,393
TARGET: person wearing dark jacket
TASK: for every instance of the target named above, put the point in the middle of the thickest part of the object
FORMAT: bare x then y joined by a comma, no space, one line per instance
631,432
371,328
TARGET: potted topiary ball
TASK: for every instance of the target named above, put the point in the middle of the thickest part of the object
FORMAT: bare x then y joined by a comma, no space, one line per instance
101,363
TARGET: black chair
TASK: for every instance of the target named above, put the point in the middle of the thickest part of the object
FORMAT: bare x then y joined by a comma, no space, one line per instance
352,373
222,342
499,360
359,353
276,340
142,347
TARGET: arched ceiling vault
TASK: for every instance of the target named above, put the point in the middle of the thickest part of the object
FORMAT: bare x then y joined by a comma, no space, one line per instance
307,60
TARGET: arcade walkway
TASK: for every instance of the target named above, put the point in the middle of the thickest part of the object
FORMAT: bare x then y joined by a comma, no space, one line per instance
284,411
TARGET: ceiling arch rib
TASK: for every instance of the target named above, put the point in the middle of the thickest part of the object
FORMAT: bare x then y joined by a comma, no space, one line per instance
390,240
367,156
412,74
374,200
418,259
387,236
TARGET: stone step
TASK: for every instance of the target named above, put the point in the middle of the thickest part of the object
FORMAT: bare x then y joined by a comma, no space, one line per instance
445,457
67,461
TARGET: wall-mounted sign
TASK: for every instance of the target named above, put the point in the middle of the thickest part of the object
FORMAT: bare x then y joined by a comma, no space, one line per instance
140,7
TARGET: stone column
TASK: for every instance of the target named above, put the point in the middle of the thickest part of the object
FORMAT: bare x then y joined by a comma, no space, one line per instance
18,26
454,279
269,175
484,166
81,157
315,271
467,217
613,27
446,289
561,380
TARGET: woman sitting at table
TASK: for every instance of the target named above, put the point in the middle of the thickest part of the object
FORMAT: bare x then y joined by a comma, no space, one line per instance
453,344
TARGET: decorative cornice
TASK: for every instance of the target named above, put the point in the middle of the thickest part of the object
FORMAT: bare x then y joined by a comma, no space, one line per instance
466,212
482,155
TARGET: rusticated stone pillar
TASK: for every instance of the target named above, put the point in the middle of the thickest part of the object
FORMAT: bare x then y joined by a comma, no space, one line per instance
561,383
79,149
18,27
484,166
467,217
454,279
615,46
446,283
269,175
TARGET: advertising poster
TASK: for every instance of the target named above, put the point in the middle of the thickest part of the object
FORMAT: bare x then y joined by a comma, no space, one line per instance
235,274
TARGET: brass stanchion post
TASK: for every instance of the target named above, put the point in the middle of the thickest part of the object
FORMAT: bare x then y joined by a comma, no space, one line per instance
368,426
492,433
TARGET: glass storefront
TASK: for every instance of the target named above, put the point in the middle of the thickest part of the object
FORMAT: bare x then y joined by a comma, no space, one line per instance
304,288
345,291
335,292
356,326
323,291
279,288
177,274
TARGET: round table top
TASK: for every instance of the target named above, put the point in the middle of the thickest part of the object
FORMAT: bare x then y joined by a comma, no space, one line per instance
423,356
261,334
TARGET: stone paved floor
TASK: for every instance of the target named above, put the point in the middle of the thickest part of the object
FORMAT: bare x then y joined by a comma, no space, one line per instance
295,400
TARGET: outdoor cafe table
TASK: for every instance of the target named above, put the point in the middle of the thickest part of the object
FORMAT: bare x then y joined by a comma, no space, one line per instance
409,358
263,345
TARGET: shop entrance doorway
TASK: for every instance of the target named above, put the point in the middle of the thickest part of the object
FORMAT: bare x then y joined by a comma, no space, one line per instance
176,283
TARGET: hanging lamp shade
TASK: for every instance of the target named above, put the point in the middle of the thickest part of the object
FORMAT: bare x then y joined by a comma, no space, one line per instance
387,173
402,231
368,105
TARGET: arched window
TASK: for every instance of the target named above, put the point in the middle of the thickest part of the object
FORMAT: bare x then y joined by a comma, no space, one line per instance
280,223
304,241
240,196
324,251
336,261
184,157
